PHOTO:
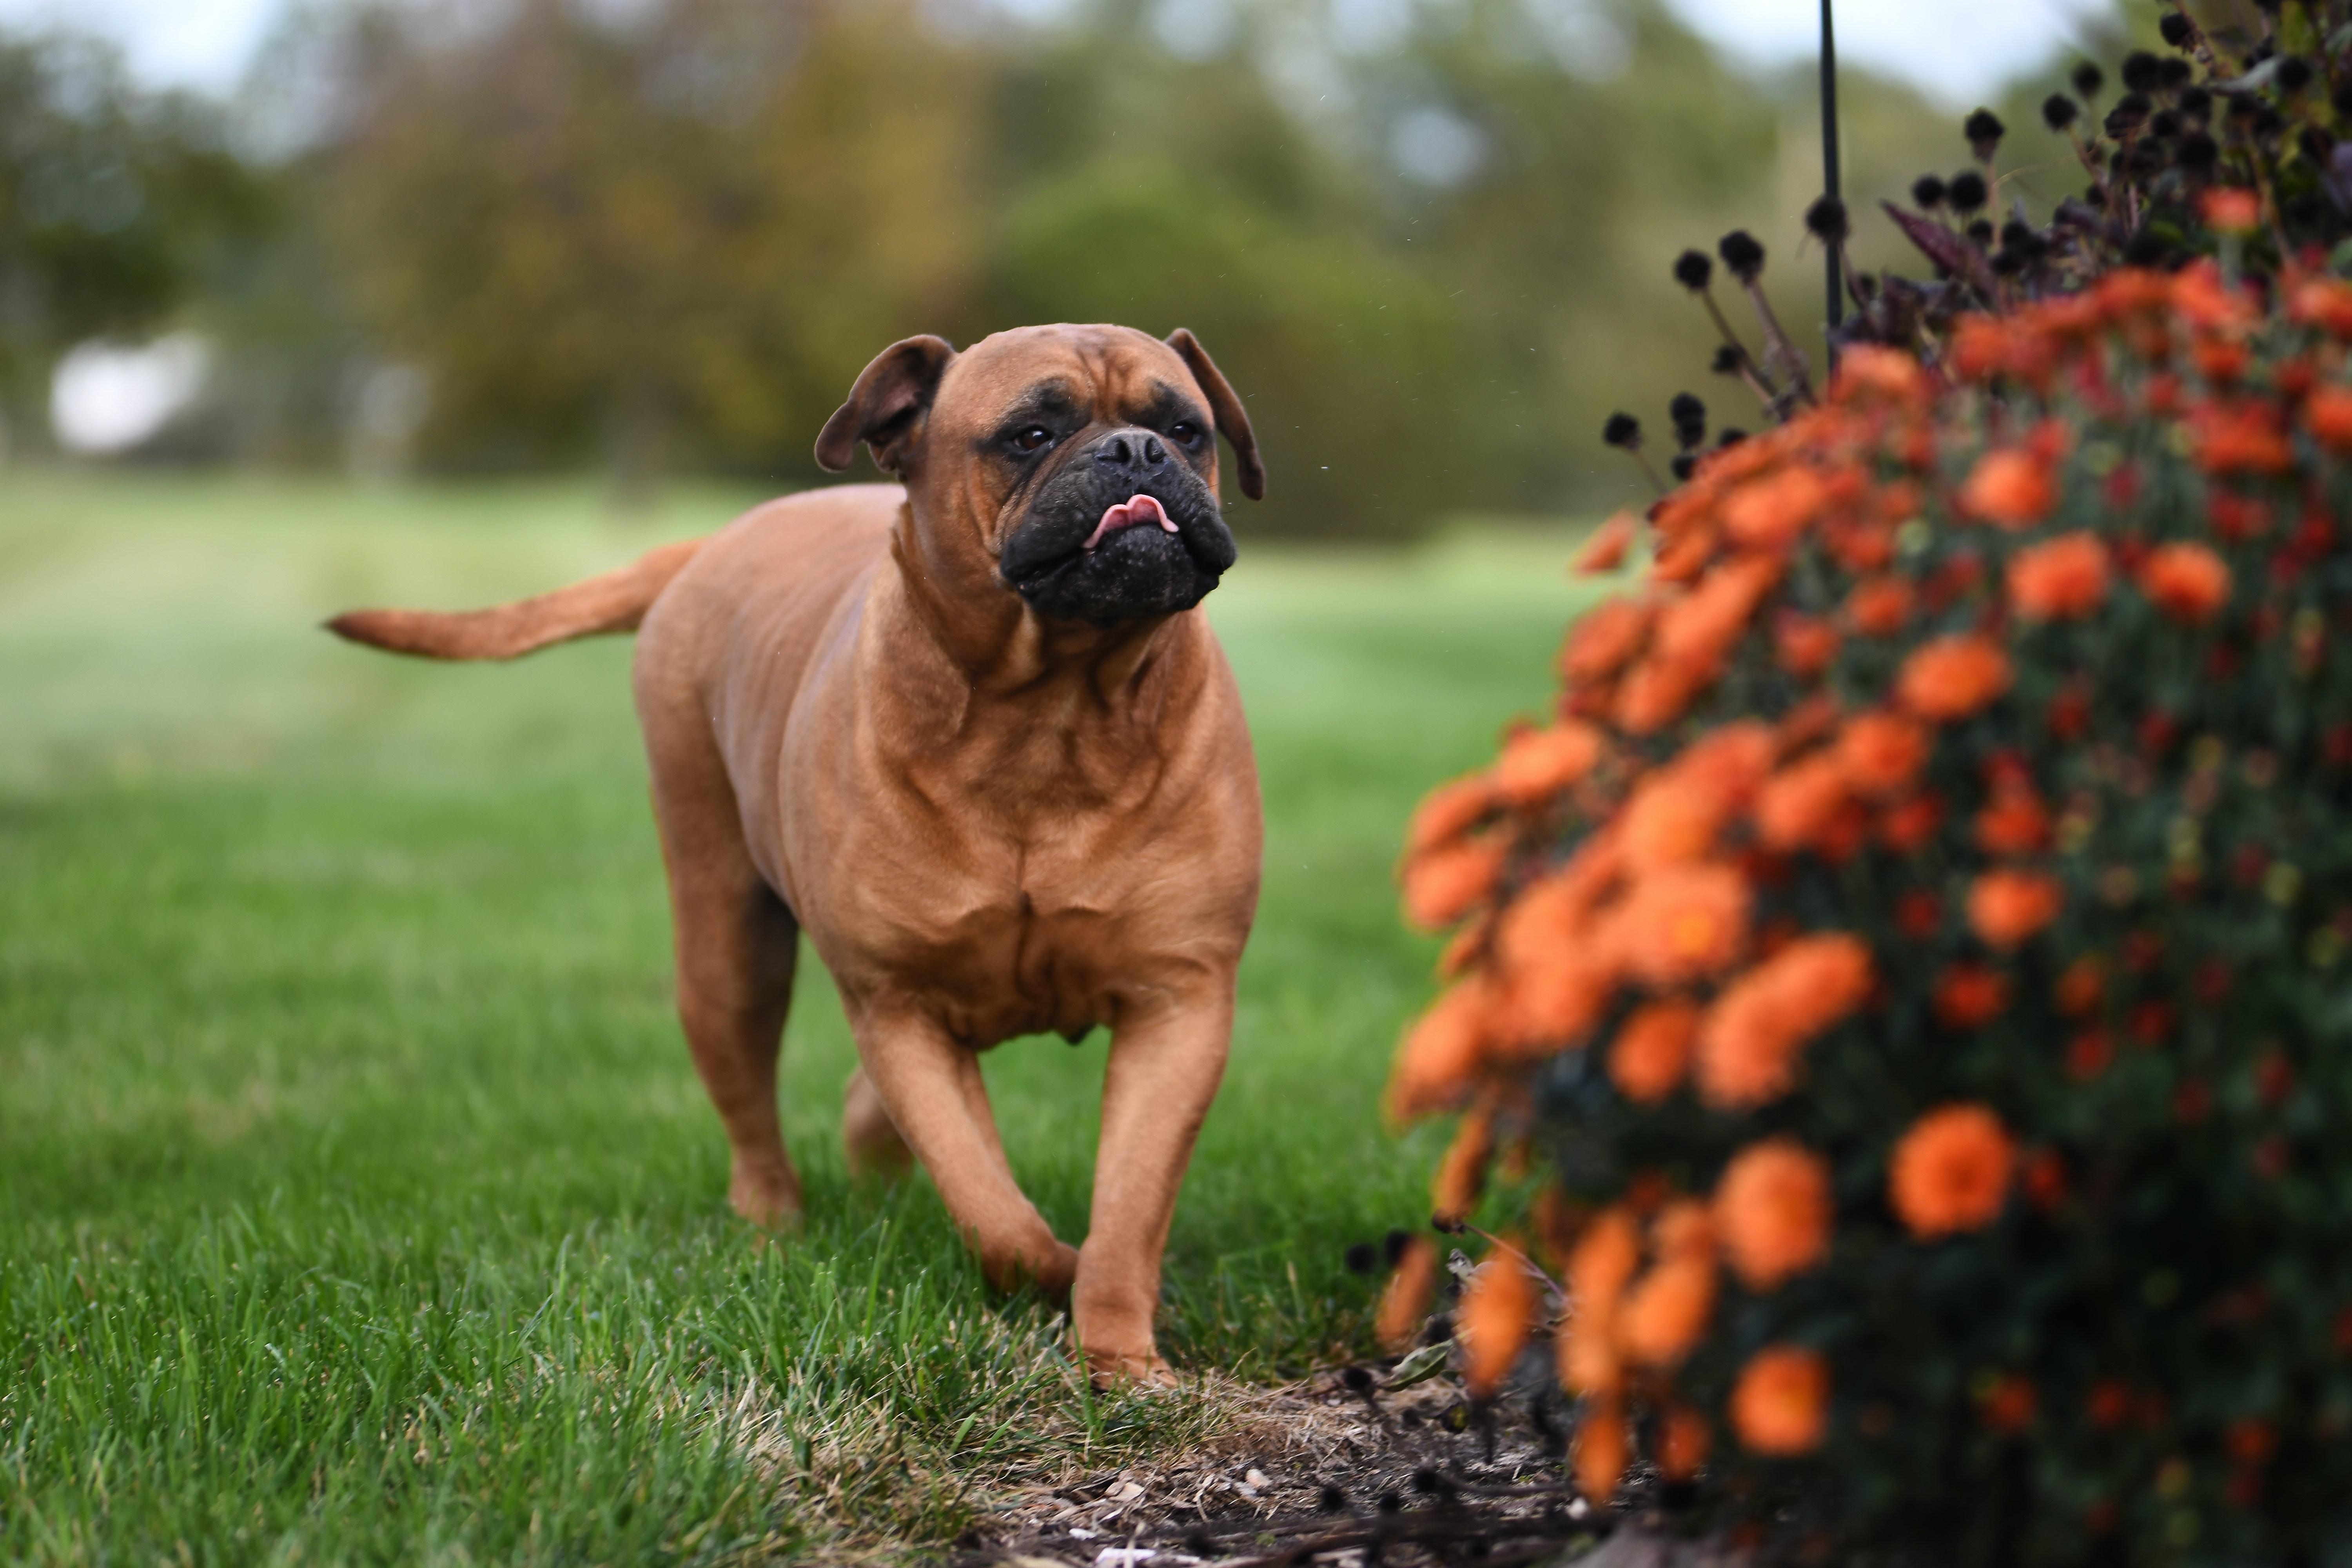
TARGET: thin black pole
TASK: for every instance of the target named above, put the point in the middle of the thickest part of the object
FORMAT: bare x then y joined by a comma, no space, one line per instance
1830,158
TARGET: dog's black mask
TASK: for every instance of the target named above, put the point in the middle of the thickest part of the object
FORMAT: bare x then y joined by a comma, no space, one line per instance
1121,527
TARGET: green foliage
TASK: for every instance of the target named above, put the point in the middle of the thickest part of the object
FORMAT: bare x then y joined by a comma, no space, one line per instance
114,206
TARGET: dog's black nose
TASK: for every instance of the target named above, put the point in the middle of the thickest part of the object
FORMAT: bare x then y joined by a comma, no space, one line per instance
1137,451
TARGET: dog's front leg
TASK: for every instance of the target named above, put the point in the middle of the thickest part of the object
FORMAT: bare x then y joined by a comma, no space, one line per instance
927,1081
1165,1065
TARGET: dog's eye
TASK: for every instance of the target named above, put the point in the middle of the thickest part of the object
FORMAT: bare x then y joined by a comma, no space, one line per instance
1034,439
1184,431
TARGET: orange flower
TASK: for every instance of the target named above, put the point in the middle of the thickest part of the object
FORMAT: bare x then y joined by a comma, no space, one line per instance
2063,579
1667,1311
1601,1451
1404,1303
1731,760
1953,678
1951,1172
1908,825
1550,914
1683,923
1604,639
1672,818
1880,754
1441,1053
1700,627
1749,1040
1538,764
2007,906
1461,1173
1497,1309
1683,1436
1441,885
1652,1050
1598,1266
1878,606
2007,1405
1970,995
2239,439
2011,487
1448,811
1796,805
1780,1407
2324,303
1866,370
1773,1207
1606,551
2081,985
2232,209
1551,1003
2327,414
2013,822
1657,692
1767,513
1806,644
2186,581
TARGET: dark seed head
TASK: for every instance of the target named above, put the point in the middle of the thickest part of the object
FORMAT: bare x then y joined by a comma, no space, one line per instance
2017,236
1331,1498
2195,104
2176,29
1981,231
1984,131
2128,115
1927,189
2007,263
1394,1244
1729,435
2088,79
2142,71
1356,1379
1966,191
2268,121
1621,430
2197,152
2171,73
2163,124
1728,360
1689,417
1827,220
1426,1479
1682,465
2058,111
2147,250
1391,1502
1363,1257
1693,269
1742,254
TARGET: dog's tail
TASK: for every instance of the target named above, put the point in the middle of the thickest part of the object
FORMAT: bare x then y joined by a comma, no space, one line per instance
614,602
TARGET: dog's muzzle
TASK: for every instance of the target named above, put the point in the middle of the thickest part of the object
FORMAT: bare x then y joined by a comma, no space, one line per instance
1122,530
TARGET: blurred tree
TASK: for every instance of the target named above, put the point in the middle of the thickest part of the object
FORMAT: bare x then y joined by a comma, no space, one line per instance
114,206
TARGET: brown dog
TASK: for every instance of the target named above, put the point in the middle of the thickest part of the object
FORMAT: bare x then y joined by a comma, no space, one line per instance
975,737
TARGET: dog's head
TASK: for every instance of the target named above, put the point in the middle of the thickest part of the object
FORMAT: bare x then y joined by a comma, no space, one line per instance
1080,461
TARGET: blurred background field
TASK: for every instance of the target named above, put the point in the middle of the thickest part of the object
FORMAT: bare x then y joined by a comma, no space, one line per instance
649,239
345,1116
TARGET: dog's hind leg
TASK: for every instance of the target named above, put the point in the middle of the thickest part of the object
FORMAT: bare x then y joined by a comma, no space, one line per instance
736,946
869,1139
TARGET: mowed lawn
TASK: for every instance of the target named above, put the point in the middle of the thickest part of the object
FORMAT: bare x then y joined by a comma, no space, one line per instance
358,1201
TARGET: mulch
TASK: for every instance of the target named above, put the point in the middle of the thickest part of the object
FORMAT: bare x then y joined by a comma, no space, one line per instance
1319,1472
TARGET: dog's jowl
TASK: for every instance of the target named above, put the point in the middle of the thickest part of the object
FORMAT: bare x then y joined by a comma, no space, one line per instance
971,733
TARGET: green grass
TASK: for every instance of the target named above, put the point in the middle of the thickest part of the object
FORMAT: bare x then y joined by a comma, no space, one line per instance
357,1199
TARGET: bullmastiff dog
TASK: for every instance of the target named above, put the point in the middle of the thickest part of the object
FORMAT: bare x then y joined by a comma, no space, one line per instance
971,733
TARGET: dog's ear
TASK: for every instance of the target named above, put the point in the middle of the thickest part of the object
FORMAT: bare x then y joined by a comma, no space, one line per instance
886,408
1225,407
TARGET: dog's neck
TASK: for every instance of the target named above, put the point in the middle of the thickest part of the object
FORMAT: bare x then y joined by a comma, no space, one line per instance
1087,704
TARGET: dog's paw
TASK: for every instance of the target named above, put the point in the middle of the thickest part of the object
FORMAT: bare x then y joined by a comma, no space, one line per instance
765,1198
1131,1372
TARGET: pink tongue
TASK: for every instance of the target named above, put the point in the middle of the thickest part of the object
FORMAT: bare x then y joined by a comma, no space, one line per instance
1134,510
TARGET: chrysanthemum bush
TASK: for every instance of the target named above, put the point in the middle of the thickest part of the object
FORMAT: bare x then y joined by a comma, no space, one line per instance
1906,983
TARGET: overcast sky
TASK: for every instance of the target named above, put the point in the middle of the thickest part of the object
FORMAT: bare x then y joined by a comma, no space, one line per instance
1956,49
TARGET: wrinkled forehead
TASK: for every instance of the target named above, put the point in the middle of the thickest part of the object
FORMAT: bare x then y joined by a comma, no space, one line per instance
1115,375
